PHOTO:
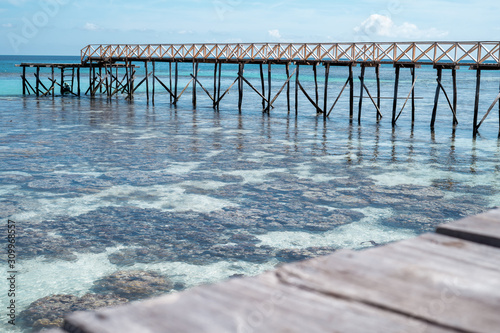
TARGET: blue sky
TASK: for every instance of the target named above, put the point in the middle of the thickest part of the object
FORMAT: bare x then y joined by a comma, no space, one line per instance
63,27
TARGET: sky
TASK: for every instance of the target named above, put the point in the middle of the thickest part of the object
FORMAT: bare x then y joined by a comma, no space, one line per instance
64,27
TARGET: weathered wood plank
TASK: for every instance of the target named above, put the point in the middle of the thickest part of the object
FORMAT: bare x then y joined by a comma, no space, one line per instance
434,278
483,228
261,304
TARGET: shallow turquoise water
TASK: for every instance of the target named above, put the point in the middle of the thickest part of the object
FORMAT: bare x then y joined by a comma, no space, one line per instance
98,186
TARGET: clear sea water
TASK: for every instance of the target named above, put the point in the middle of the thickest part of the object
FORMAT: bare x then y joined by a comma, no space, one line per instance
96,186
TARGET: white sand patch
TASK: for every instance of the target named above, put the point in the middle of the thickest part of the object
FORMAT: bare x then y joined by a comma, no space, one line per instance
349,236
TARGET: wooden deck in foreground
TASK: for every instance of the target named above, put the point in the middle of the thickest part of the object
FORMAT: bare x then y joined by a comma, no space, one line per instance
448,281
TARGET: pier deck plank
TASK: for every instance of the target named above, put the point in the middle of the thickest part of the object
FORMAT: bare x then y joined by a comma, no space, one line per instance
483,228
432,283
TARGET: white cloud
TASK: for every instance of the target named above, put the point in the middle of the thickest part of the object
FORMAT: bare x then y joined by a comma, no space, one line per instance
90,26
384,27
274,33
7,25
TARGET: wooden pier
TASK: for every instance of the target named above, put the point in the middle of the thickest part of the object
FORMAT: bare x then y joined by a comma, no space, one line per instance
448,281
103,62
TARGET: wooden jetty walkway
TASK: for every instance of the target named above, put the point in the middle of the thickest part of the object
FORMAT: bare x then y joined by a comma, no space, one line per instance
103,62
448,281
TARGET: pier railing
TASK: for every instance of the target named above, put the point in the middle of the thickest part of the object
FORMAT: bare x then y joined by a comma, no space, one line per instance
460,53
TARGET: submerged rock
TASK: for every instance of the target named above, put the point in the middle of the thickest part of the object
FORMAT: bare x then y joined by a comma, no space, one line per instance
133,285
289,255
49,311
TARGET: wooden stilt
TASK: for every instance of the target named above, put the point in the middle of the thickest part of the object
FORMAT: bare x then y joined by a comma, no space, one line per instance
413,78
176,81
218,87
100,78
436,98
153,92
37,81
24,79
215,83
395,100
78,81
195,73
288,87
325,95
116,81
90,78
52,75
268,87
240,86
129,80
147,81
455,95
377,74
315,71
297,90
351,93
476,101
362,82
263,86
132,81
170,79
62,80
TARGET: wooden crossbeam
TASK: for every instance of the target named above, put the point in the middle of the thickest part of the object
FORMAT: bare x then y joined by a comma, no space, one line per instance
449,103
338,97
407,98
318,109
488,112
202,87
373,101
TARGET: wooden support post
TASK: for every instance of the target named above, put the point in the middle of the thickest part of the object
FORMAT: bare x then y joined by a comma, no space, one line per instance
37,81
316,83
129,79
297,91
325,95
78,81
288,87
377,74
263,86
24,80
218,86
116,81
362,82
52,75
215,83
268,87
240,86
455,95
176,81
170,78
108,79
351,93
62,80
147,81
476,101
195,73
90,78
100,78
395,100
436,98
413,78
154,76
132,80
